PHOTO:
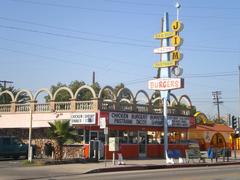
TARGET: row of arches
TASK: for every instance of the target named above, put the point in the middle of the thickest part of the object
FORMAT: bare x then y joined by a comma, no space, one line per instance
122,95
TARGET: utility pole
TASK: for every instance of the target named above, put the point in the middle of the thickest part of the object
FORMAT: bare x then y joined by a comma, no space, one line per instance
239,90
216,101
93,78
5,83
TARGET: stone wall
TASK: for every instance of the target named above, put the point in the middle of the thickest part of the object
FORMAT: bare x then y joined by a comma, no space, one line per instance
39,138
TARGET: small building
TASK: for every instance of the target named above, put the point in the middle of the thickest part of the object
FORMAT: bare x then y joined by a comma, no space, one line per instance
208,133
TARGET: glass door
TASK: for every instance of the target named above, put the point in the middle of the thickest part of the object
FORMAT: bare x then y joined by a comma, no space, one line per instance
142,142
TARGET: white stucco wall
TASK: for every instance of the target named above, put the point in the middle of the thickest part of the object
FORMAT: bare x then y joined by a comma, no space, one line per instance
22,120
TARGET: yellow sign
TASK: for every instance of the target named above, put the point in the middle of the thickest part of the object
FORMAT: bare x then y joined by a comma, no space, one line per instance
176,55
162,64
176,41
176,26
164,35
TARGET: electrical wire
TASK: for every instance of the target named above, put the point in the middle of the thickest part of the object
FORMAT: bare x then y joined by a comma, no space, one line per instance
119,11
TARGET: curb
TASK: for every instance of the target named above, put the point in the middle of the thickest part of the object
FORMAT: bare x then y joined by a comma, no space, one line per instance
151,167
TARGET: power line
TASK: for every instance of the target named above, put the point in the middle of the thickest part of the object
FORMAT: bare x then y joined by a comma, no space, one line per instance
206,75
69,29
60,50
106,41
73,37
83,8
117,11
164,5
111,36
49,58
199,48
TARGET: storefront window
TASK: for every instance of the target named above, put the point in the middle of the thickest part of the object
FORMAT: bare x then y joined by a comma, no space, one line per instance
153,137
172,137
113,133
123,137
133,136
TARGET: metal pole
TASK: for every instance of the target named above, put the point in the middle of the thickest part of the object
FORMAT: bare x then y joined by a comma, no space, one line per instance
178,9
239,90
165,73
105,150
234,146
165,124
30,139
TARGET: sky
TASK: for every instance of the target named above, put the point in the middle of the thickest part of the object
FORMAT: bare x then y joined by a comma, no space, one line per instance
43,42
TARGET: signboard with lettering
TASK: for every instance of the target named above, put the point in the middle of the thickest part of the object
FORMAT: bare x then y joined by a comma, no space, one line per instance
164,49
162,64
140,119
176,55
176,40
177,26
83,118
164,35
102,122
165,84
113,144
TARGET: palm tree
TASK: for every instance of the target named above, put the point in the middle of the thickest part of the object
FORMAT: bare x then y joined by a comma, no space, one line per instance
61,132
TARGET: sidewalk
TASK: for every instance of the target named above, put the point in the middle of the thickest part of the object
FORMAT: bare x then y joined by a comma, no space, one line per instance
65,170
152,164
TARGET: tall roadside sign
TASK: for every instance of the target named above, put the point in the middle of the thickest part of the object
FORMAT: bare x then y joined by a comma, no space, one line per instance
170,71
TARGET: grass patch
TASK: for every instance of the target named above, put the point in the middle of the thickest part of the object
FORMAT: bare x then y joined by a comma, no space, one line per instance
33,163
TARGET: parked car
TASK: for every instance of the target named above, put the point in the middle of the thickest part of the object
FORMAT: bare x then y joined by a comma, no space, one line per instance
11,146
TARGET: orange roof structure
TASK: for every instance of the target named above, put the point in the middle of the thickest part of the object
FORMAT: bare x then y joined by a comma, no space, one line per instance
214,127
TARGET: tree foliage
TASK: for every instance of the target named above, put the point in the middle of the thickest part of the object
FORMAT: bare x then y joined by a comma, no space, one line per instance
61,132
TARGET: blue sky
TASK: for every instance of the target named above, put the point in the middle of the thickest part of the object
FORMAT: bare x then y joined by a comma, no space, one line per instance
48,41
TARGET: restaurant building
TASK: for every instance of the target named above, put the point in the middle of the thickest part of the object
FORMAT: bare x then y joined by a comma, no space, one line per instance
137,126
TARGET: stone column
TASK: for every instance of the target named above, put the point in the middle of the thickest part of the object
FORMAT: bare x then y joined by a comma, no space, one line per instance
13,106
100,100
95,104
73,104
32,105
150,108
52,105
134,106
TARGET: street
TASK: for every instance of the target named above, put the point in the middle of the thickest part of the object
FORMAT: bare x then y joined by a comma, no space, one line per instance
8,162
200,173
11,170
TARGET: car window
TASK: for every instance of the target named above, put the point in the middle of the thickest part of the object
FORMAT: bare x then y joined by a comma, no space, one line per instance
6,141
16,141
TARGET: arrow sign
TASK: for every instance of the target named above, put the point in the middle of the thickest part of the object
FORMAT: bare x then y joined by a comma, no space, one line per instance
164,49
163,64
164,35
